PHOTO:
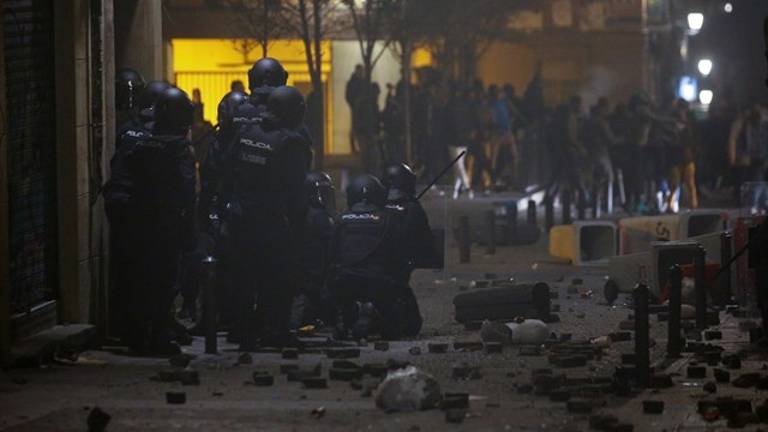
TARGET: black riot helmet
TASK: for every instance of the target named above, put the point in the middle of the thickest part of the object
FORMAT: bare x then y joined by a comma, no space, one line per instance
228,106
400,181
320,190
128,86
149,97
286,105
267,72
173,113
366,189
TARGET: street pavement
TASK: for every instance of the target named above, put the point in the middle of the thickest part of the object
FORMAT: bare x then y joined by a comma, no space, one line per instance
59,396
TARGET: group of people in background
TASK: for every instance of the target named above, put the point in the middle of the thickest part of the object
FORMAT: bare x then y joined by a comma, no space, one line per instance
242,196
647,156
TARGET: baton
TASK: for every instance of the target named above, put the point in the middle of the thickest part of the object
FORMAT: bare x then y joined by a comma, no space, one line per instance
442,173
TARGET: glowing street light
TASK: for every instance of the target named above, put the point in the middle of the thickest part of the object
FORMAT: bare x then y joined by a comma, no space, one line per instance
728,7
706,96
705,66
695,21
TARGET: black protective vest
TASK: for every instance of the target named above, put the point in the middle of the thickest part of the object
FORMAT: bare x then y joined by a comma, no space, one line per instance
419,241
119,189
268,167
367,244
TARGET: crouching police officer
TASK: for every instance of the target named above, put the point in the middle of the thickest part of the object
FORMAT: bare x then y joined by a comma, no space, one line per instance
401,189
150,205
313,303
269,161
369,265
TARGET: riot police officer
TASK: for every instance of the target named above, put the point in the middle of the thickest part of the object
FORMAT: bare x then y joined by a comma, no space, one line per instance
235,111
211,171
150,206
269,161
369,264
401,187
313,301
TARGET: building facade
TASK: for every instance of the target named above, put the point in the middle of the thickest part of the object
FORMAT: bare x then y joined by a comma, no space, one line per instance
57,130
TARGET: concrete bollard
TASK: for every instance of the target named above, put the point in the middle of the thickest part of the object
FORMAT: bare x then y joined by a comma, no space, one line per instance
581,206
726,252
549,212
531,212
565,201
464,240
490,232
511,224
674,341
700,262
642,341
210,308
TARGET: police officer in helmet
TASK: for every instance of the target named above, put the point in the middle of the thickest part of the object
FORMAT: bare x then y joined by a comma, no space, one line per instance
269,163
152,215
117,191
401,188
369,263
313,301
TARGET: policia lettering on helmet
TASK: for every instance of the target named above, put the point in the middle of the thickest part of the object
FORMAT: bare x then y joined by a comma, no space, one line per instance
313,302
150,200
369,265
268,165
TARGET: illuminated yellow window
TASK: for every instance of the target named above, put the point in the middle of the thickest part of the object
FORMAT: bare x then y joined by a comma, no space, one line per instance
211,65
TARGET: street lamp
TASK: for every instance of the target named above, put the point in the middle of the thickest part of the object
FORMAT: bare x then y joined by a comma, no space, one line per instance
706,96
695,21
728,8
705,67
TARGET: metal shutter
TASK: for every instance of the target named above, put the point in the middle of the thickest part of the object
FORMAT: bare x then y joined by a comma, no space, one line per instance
29,67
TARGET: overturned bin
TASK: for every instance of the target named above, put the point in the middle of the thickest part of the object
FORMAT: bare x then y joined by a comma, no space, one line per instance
527,300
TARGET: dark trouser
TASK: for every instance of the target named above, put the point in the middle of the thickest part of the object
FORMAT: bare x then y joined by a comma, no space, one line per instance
264,269
145,260
124,265
191,269
396,307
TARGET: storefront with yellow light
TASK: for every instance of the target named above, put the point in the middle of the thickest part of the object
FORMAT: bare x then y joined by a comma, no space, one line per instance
211,65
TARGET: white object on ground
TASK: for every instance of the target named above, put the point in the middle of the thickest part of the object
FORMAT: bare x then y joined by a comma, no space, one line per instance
408,389
529,332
